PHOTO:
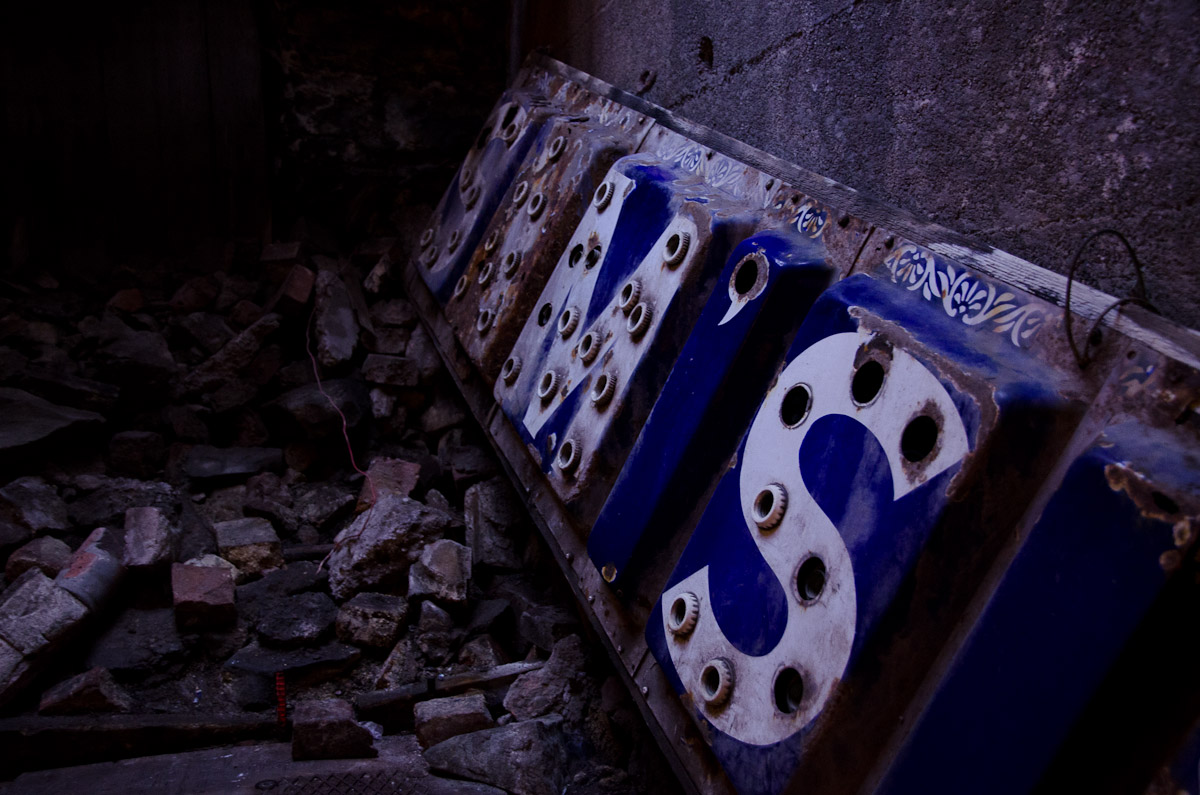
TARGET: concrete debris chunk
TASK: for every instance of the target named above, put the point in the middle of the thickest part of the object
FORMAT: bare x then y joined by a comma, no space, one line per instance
203,596
525,758
375,551
442,572
109,498
149,538
205,462
250,544
442,718
335,324
90,692
547,689
301,620
26,419
494,515
34,613
390,370
35,504
372,619
139,643
385,476
327,730
46,554
303,666
403,666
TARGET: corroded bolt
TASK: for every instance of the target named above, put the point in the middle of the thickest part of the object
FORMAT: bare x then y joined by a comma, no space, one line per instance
716,681
603,196
769,506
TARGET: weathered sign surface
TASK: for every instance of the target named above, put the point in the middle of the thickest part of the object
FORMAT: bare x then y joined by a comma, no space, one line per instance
847,511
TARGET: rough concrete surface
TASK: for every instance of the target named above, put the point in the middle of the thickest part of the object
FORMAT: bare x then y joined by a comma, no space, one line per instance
1025,125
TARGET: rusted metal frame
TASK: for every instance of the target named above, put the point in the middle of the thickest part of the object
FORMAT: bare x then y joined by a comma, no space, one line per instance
699,772
1134,322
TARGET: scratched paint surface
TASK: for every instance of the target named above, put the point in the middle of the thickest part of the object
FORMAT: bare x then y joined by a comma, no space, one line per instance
795,489
608,325
528,234
454,231
770,279
1111,553
859,438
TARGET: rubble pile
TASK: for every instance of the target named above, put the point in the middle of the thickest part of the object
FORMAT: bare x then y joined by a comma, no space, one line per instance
184,533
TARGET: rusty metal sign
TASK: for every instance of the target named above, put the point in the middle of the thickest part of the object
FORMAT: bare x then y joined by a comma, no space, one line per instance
846,511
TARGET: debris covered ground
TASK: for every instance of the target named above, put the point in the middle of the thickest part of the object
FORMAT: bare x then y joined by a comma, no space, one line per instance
190,550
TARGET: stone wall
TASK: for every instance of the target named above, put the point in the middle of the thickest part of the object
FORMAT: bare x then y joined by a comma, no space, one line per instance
1024,125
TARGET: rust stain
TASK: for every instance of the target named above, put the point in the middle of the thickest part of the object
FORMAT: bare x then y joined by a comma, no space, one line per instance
1184,533
913,470
1149,501
80,562
1170,560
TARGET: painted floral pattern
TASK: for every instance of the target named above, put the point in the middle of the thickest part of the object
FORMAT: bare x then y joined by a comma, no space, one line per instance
810,219
964,295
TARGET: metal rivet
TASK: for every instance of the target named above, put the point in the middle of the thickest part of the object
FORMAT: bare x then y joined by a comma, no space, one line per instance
570,557
716,682
568,321
520,194
684,613
676,248
510,263
485,274
536,205
471,196
547,385
427,237
630,294
484,321
603,196
455,237
492,241
509,134
769,506
512,366
461,285
465,177
556,148
602,389
645,690
589,347
639,320
568,456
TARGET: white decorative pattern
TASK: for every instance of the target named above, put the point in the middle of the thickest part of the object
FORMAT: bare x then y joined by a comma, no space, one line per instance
964,295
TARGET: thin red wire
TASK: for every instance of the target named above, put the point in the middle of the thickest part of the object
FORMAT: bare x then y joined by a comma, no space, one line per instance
280,700
345,435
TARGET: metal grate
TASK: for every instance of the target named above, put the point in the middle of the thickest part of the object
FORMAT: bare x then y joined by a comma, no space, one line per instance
377,782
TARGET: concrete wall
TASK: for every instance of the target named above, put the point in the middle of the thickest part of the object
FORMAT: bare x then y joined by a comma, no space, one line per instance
1025,125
